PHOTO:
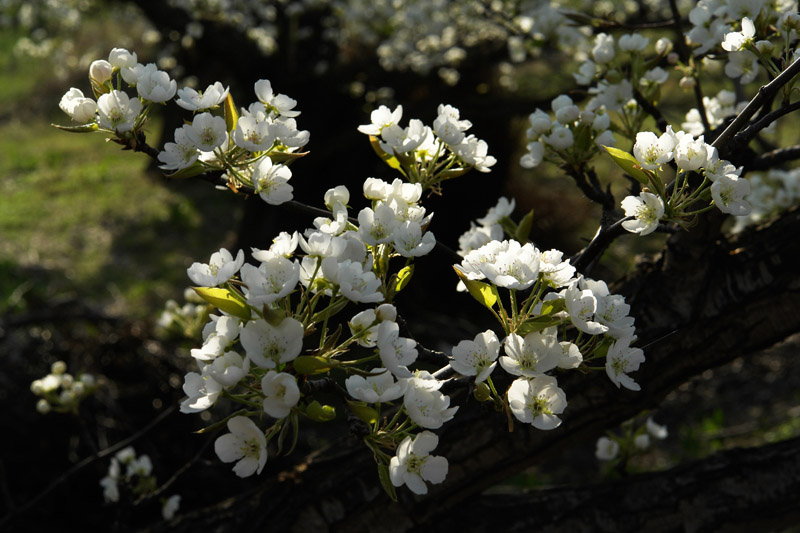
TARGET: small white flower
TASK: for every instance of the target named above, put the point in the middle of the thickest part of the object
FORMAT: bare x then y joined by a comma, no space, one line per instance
537,401
279,104
381,118
117,111
532,355
728,193
607,449
180,154
77,106
656,430
271,181
476,357
274,279
641,442
219,269
378,388
245,444
252,136
207,132
633,42
603,50
622,359
228,369
738,40
560,138
413,465
121,58
281,393
409,241
581,305
156,86
268,346
202,392
647,209
193,100
427,407
652,151
100,71
690,154
218,335
171,506
396,352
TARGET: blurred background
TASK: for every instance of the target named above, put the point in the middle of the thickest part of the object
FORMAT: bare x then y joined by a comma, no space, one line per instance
94,241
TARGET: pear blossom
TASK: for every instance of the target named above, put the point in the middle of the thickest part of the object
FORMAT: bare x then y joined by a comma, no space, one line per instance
252,136
690,154
170,507
474,152
606,449
134,73
280,104
365,324
117,112
413,465
560,138
603,50
268,345
652,151
220,268
396,352
742,65
633,42
571,356
218,335
121,58
227,369
647,209
180,154
358,285
274,279
581,305
193,100
100,71
612,312
378,388
77,106
381,118
202,392
739,40
534,157
409,241
376,226
539,123
728,193
622,359
532,355
270,181
281,393
476,357
656,430
403,140
245,444
427,407
554,271
207,131
516,267
156,86
284,244
641,442
537,401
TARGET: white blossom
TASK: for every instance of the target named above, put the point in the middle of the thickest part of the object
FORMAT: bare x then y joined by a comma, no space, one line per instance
245,444
413,465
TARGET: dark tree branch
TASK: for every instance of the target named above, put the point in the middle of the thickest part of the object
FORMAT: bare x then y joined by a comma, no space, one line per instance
746,135
774,158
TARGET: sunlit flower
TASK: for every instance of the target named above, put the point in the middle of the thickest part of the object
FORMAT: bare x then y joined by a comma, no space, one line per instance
245,444
413,465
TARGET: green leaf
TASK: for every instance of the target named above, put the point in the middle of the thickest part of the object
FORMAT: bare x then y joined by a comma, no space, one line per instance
85,128
628,163
524,227
403,278
386,481
483,292
313,364
390,160
231,115
286,157
320,413
195,169
551,307
509,226
537,324
330,311
224,300
452,173
363,411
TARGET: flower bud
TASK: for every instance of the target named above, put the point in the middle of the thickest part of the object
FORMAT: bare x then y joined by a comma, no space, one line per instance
673,58
59,367
687,82
663,46
765,47
37,387
120,57
42,406
100,71
88,380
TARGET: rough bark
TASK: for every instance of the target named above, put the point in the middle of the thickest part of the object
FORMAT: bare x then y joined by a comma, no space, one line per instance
720,300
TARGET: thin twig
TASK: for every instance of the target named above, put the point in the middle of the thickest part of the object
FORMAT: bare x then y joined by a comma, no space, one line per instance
775,157
747,134
86,462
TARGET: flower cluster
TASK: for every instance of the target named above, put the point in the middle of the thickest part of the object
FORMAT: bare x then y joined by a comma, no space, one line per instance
721,181
60,391
424,154
770,193
573,136
619,448
135,476
534,344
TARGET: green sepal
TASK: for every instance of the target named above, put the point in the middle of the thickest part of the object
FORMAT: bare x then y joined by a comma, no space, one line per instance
386,481
84,128
583,138
286,157
509,226
537,324
310,365
195,169
224,300
390,160
486,294
551,307
231,115
330,311
629,164
320,413
524,227
273,315
452,173
482,392
363,411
